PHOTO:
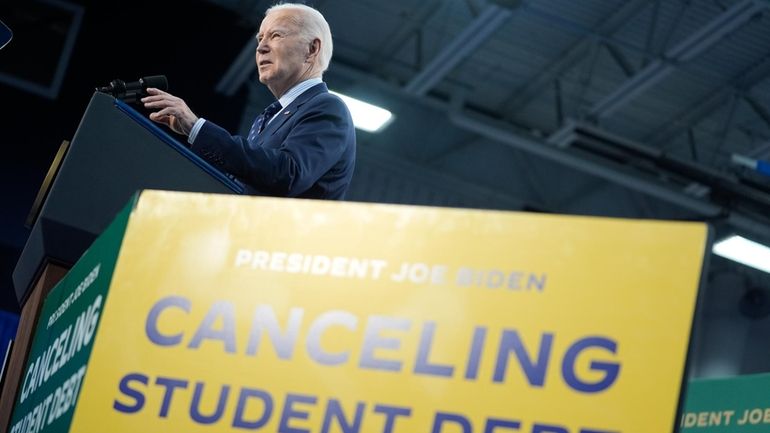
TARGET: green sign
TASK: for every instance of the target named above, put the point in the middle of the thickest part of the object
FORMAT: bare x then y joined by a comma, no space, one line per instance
66,327
730,405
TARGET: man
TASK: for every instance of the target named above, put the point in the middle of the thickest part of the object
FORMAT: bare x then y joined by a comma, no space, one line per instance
307,148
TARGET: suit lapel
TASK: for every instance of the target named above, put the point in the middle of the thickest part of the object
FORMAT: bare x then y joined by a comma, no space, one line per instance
289,111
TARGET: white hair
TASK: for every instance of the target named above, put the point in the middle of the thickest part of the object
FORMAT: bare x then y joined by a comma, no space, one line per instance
311,25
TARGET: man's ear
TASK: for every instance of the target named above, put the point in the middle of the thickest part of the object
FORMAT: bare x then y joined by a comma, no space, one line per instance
314,49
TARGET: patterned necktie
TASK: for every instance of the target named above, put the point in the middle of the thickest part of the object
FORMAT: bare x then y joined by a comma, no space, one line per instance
261,121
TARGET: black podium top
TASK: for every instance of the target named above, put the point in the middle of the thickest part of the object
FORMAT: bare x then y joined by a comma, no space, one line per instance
115,152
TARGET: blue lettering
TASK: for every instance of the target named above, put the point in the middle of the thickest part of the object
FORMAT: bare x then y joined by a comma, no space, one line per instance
536,281
267,401
391,412
318,327
289,412
460,420
170,385
223,309
610,369
334,409
151,325
125,388
493,423
422,365
545,428
373,341
474,358
535,371
283,342
195,413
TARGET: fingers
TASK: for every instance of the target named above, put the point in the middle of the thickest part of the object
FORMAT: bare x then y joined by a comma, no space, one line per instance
161,118
154,91
157,95
171,111
167,119
156,103
168,104
168,111
162,96
180,122
165,115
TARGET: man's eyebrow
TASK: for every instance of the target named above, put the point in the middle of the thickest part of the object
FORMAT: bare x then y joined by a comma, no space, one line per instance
273,30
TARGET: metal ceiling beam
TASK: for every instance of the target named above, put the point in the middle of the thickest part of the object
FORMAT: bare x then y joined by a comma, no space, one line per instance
502,132
406,30
688,117
499,132
758,108
698,42
649,42
672,28
701,109
728,123
576,53
620,59
479,30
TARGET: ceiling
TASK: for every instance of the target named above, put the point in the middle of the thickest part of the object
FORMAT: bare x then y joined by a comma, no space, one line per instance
621,108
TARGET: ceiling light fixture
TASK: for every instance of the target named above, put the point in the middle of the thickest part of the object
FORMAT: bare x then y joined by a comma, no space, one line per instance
366,116
744,251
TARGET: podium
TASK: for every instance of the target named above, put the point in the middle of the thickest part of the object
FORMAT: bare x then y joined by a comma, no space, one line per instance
115,151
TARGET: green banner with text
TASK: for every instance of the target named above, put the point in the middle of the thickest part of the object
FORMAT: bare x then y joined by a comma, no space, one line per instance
58,358
730,405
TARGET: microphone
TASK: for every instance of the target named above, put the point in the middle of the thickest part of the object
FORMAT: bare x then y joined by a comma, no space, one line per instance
131,92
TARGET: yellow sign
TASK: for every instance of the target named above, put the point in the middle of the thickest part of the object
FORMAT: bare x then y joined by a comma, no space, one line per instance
231,313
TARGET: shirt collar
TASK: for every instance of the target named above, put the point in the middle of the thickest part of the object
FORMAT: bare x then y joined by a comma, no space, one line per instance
297,90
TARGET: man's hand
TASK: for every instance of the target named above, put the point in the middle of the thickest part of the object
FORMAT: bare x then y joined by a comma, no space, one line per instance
171,111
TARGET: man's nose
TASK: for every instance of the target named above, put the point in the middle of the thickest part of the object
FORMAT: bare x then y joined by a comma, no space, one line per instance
262,47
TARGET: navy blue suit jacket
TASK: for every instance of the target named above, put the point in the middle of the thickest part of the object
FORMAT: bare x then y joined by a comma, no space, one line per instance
308,150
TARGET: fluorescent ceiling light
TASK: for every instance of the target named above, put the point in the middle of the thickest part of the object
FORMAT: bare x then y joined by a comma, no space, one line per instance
368,117
744,251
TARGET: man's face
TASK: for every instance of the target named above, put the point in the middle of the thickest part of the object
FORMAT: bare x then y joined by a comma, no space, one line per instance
281,53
